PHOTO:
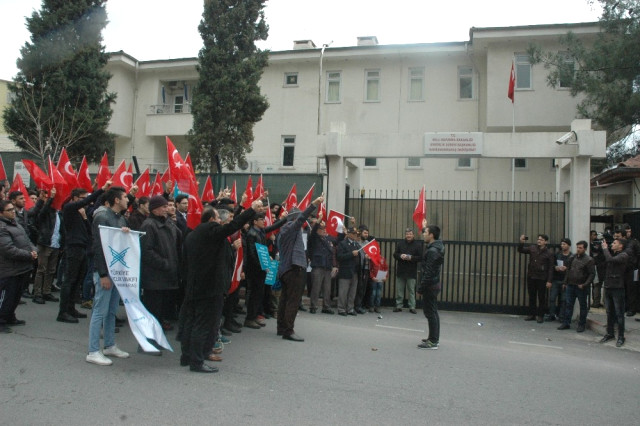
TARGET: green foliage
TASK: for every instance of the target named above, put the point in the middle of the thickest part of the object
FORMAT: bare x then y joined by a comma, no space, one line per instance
226,100
59,96
606,71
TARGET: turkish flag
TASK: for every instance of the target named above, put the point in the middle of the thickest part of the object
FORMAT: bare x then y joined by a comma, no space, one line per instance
258,193
234,195
306,201
237,271
41,179
207,194
3,172
512,84
178,168
83,178
157,188
194,214
420,212
144,184
62,188
249,193
103,172
292,199
66,170
322,212
128,177
120,177
335,223
18,185
166,176
372,249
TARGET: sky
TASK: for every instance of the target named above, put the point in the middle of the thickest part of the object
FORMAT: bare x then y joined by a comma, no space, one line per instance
168,29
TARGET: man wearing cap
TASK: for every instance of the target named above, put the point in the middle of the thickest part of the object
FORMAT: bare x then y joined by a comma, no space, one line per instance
408,253
292,270
160,251
349,262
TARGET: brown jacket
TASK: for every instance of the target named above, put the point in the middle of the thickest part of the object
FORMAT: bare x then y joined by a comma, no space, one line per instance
540,262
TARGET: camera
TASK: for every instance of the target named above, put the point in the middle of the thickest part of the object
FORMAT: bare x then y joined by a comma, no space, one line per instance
526,238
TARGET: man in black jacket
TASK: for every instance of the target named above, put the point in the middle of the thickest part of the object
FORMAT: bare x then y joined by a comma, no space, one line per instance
614,288
539,275
49,226
430,285
77,230
324,266
408,253
577,281
209,272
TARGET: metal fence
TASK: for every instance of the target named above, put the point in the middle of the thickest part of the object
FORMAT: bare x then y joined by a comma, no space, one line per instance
483,270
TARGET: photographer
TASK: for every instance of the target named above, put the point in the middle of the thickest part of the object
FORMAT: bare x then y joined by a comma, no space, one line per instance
595,250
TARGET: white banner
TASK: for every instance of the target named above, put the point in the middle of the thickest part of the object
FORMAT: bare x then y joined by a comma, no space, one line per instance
122,254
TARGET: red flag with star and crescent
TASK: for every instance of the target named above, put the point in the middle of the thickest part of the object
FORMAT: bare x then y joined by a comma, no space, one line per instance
103,172
207,193
292,199
83,177
248,191
66,170
335,223
306,200
258,192
372,249
157,188
420,212
18,185
119,176
144,184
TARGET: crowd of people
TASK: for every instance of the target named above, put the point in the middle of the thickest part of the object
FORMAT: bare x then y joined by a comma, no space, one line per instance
186,274
607,264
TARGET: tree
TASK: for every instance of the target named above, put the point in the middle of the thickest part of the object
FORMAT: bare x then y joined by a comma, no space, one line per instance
606,72
59,96
226,99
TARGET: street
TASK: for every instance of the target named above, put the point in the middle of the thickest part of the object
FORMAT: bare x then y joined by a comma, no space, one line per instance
489,369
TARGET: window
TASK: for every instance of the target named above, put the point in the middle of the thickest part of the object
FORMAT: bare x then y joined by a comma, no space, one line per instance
370,162
372,86
334,81
416,84
464,163
288,148
520,163
178,103
523,72
413,162
567,71
291,79
465,82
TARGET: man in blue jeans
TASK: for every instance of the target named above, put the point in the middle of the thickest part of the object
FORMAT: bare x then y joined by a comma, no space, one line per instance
614,288
107,298
430,285
578,278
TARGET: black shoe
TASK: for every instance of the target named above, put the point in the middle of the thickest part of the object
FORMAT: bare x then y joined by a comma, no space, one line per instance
293,337
313,310
54,287
225,332
77,314
630,314
120,322
564,327
204,368
606,338
361,311
549,318
231,327
580,329
620,342
15,321
235,322
50,298
22,302
530,318
328,311
397,309
184,361
302,308
413,311
343,314
39,300
65,317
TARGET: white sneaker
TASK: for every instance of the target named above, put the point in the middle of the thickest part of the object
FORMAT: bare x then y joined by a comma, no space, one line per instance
115,351
97,358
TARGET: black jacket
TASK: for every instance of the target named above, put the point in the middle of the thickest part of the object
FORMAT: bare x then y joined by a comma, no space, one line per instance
408,268
255,235
210,257
580,270
105,217
616,267
77,231
46,222
321,250
348,263
136,219
432,262
541,262
15,249
160,251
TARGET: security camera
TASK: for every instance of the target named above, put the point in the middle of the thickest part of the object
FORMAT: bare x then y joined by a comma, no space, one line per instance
567,138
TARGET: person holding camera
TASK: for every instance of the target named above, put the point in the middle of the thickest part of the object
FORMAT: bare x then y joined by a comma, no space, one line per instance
539,274
595,250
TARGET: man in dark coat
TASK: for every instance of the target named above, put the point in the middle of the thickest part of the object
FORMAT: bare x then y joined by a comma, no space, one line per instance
209,272
49,225
539,275
324,266
349,259
160,251
16,261
407,254
617,263
430,285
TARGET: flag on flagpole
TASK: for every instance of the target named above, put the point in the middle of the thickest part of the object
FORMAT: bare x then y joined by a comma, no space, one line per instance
41,179
335,223
512,84
322,212
103,172
83,177
258,193
372,249
306,201
119,178
18,185
237,271
66,170
249,193
61,186
157,188
207,193
144,184
420,212
292,199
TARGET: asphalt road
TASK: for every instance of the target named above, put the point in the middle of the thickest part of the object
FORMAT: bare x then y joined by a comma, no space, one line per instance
490,369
